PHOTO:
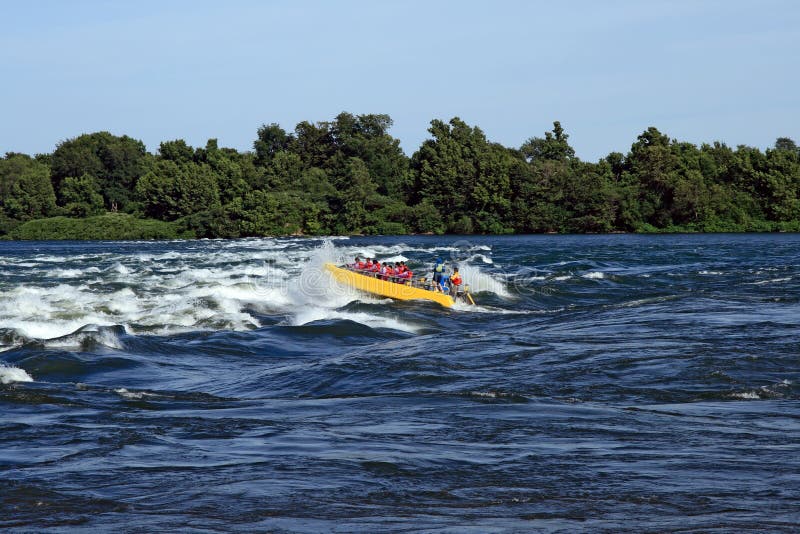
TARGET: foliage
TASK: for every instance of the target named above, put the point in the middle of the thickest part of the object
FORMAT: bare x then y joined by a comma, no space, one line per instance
349,176
170,191
116,162
81,196
108,226
25,189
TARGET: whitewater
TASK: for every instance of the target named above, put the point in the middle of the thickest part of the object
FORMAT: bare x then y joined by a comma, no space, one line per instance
222,286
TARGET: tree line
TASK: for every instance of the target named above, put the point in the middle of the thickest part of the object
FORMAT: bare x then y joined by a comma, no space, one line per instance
350,176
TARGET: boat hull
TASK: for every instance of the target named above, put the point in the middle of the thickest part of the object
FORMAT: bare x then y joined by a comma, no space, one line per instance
386,289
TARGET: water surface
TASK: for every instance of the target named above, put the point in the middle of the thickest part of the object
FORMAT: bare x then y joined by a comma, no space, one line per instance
603,383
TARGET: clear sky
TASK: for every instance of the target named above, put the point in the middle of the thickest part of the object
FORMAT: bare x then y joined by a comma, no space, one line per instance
698,70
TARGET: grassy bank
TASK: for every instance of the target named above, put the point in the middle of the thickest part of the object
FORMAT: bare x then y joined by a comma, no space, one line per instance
107,226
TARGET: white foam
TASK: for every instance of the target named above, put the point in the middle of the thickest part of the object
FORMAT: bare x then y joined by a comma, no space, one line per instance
747,395
395,258
65,273
135,395
479,281
772,281
13,374
481,257
594,275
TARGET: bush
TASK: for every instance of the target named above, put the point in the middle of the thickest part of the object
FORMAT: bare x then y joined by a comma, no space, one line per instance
391,228
7,224
108,226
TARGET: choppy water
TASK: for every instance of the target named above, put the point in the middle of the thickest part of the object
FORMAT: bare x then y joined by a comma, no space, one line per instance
603,383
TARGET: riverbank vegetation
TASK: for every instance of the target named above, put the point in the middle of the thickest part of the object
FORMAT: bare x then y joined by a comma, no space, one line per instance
349,176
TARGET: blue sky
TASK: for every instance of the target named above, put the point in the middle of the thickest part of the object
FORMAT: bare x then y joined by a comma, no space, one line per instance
700,71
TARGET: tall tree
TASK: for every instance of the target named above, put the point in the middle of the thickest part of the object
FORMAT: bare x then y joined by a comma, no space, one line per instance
116,163
25,189
170,191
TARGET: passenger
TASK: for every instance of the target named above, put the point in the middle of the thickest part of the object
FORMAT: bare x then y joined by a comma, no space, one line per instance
376,267
359,264
456,281
456,278
368,264
390,273
444,283
382,271
438,270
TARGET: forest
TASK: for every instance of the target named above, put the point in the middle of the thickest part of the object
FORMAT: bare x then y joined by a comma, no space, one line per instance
350,176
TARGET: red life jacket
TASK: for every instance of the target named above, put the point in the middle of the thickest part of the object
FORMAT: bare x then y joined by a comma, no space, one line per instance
456,279
361,265
389,271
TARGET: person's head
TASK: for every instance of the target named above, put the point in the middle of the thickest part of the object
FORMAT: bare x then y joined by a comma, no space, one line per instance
439,260
455,269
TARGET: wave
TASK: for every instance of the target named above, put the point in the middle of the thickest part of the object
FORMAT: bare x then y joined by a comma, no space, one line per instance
88,336
9,374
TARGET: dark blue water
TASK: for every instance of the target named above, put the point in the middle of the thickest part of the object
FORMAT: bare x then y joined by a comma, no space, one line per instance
603,383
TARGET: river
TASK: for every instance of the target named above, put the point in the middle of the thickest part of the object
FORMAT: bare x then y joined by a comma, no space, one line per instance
601,383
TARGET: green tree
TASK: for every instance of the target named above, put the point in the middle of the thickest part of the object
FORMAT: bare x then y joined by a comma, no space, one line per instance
25,188
554,146
177,151
445,170
788,144
116,162
271,140
262,213
230,169
355,198
170,191
82,196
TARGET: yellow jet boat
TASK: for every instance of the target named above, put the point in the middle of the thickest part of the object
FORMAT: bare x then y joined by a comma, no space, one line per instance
399,291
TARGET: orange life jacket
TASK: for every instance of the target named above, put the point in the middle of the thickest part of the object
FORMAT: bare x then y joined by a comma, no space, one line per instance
456,279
